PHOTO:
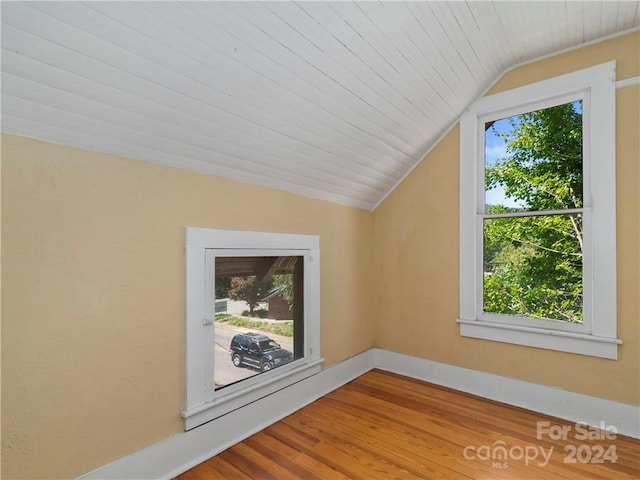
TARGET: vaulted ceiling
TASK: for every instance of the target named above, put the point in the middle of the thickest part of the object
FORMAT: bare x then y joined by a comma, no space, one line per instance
334,100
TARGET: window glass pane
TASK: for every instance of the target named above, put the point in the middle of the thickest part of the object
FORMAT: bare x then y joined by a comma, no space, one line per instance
533,161
533,267
259,315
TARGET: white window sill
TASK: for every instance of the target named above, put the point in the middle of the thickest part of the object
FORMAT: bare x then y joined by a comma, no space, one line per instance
579,343
225,403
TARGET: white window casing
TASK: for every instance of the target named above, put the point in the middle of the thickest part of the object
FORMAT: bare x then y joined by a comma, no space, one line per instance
202,245
596,336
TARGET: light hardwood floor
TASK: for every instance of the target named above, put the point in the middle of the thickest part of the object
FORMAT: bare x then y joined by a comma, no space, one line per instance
383,426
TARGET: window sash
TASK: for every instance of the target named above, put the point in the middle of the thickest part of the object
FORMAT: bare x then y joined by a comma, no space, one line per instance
480,208
584,327
533,213
231,389
584,96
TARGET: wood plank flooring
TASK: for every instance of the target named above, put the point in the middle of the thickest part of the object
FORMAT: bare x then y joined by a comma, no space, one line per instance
385,426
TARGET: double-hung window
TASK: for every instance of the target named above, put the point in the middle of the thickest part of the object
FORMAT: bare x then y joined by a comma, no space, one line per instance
537,215
252,317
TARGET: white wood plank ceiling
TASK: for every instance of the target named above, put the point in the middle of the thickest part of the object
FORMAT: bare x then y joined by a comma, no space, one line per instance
336,101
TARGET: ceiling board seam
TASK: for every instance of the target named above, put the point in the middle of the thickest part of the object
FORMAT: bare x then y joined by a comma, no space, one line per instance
335,115
450,42
356,189
351,47
416,24
203,167
337,81
451,126
290,91
404,82
182,93
400,32
375,124
489,64
414,50
275,82
189,131
445,58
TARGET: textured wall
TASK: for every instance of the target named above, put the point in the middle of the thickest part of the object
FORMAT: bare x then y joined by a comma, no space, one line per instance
93,296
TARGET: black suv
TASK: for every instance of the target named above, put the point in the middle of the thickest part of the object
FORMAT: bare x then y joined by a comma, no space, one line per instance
259,351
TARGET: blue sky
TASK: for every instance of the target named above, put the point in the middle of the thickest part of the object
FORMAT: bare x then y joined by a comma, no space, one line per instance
494,151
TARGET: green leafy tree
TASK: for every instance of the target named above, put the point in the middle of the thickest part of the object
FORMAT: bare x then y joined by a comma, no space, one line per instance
285,281
533,264
249,290
223,285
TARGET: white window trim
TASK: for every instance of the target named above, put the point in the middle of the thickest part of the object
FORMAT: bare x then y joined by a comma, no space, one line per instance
598,337
203,402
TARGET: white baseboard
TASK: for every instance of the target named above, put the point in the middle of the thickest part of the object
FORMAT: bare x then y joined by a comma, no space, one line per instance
572,406
183,451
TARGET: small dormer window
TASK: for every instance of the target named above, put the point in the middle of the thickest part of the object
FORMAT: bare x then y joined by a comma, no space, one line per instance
235,357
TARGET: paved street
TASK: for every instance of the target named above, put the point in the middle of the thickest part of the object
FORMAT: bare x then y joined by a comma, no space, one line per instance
225,372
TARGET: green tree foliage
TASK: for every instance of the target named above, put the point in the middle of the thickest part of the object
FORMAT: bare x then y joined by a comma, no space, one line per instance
249,290
285,281
533,264
544,167
223,285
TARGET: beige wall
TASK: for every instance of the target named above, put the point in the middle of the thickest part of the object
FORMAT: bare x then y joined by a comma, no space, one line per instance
416,240
93,302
